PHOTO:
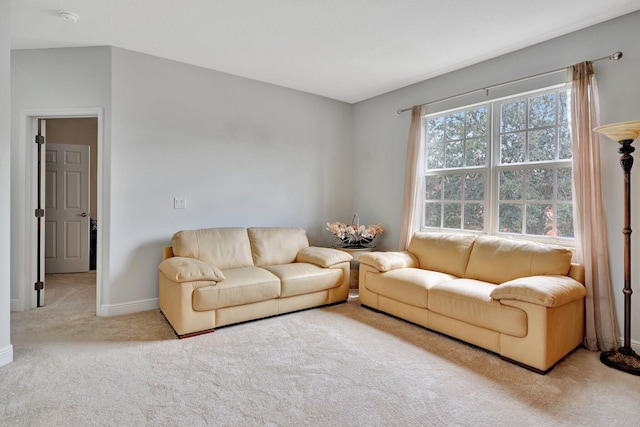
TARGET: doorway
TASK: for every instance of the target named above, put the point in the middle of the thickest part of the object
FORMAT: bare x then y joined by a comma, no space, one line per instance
92,118
70,226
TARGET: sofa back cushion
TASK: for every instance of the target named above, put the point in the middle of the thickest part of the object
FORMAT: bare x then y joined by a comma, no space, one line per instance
443,252
498,260
276,245
222,247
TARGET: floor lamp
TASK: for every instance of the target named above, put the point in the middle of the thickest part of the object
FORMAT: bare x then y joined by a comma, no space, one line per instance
624,359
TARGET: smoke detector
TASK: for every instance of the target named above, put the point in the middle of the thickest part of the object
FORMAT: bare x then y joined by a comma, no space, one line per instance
68,16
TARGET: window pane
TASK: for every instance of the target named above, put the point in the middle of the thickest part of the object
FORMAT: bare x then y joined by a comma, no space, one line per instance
539,184
512,148
539,220
476,122
452,215
542,110
476,152
453,187
435,129
511,184
433,187
432,214
565,220
542,145
435,156
564,140
474,186
474,216
454,154
512,116
510,218
455,126
564,184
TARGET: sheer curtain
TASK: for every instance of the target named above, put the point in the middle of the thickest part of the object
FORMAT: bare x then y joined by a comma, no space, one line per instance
589,224
411,182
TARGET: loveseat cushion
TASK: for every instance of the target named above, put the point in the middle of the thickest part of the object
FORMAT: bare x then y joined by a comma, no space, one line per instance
276,245
470,301
444,252
323,257
241,286
550,291
181,269
222,247
407,285
302,278
498,260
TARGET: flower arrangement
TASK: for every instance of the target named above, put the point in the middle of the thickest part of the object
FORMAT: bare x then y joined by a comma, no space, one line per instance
354,236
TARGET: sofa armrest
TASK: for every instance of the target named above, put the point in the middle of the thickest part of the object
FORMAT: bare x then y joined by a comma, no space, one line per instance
385,261
549,291
323,257
182,269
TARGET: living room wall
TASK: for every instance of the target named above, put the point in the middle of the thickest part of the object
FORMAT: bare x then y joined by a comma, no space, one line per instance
6,350
242,153
380,134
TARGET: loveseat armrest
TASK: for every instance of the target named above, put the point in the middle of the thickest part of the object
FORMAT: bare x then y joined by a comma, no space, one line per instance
183,269
385,261
548,291
323,257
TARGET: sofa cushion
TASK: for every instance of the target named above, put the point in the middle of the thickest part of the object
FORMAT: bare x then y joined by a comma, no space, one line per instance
276,245
407,285
241,286
470,301
385,261
498,260
550,291
303,278
444,252
222,247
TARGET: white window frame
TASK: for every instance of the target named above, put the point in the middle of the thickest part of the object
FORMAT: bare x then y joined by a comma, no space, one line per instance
492,170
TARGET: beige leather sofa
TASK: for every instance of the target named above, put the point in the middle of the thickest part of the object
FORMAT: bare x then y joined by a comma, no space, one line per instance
522,300
219,276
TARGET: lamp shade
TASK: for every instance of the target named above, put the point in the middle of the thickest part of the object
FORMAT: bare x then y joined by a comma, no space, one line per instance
620,131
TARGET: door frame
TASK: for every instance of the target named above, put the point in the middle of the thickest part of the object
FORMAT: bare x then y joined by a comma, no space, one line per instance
28,129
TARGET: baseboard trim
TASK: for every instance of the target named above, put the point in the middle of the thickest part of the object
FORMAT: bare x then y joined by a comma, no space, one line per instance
16,305
6,355
107,310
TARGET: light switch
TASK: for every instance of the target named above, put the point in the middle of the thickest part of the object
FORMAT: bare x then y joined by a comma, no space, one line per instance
179,203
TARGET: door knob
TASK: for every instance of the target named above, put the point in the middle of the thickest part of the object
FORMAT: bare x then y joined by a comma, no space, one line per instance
83,214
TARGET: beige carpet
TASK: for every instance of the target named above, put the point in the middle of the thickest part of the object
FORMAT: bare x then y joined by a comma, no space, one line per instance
337,366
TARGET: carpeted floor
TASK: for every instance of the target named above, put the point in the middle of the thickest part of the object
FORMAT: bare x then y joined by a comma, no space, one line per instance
336,366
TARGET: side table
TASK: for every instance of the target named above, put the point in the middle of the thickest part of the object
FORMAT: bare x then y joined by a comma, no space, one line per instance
355,264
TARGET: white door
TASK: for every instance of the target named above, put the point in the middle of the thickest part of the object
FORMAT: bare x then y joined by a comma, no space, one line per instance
67,208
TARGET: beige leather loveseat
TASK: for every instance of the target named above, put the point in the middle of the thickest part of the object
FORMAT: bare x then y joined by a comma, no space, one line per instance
522,300
219,276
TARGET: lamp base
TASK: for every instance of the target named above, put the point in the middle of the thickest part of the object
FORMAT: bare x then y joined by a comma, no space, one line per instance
623,359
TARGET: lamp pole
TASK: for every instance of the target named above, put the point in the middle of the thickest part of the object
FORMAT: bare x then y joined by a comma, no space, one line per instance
624,359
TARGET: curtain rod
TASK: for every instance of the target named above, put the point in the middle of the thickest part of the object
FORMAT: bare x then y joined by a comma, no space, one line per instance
614,56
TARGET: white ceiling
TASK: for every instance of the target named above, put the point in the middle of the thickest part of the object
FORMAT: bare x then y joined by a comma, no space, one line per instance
348,50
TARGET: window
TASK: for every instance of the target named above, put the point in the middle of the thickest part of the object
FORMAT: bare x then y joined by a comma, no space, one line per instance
502,167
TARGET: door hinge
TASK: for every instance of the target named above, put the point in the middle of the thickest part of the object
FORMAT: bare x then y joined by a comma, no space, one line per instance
39,213
39,139
38,286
